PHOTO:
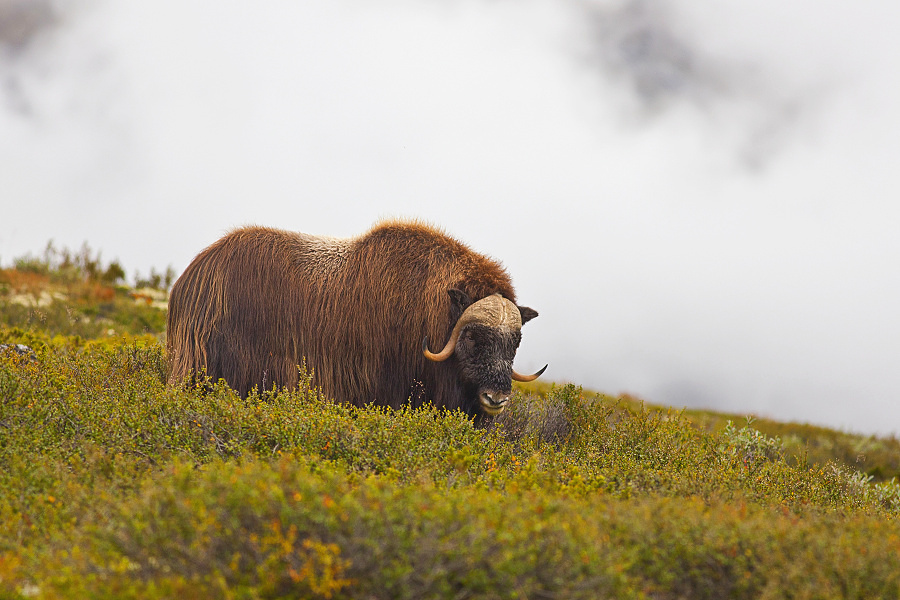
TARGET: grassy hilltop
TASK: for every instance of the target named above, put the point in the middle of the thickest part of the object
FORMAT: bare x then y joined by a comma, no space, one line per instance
114,486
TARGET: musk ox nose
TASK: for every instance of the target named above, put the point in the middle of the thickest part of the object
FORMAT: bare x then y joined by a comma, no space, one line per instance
493,402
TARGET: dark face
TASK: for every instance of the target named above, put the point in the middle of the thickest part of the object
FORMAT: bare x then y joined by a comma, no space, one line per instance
485,355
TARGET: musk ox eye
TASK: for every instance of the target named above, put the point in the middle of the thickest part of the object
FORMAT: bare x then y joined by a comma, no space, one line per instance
468,341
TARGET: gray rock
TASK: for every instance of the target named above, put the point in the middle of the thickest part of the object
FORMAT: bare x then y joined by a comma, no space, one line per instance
20,349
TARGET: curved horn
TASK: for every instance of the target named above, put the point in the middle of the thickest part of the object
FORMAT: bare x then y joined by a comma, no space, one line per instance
447,352
527,378
492,311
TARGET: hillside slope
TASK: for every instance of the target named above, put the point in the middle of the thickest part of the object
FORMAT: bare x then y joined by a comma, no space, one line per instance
114,485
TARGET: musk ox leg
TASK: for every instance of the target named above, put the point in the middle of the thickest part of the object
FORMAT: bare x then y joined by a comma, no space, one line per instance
245,366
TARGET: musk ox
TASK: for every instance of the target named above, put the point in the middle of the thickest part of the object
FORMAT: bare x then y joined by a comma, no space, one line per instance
359,311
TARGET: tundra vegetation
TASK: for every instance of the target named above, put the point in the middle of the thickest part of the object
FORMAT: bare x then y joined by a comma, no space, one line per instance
114,485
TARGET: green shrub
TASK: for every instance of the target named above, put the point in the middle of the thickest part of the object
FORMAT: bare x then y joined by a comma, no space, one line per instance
114,485
65,265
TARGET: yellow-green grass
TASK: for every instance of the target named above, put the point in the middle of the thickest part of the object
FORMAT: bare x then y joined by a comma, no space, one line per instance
114,485
876,456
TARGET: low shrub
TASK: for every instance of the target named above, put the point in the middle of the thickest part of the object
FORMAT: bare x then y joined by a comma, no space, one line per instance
114,485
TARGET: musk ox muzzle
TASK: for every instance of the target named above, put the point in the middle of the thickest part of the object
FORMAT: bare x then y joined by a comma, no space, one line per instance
485,339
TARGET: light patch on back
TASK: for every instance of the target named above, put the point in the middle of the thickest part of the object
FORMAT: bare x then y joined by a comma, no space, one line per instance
322,255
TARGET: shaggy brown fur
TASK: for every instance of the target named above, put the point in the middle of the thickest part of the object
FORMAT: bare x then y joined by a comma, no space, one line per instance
254,304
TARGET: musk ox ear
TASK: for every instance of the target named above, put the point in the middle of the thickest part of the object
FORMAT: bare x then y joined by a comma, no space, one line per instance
459,302
527,313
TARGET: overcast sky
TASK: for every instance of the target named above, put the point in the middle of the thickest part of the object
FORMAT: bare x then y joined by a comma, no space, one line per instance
700,198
